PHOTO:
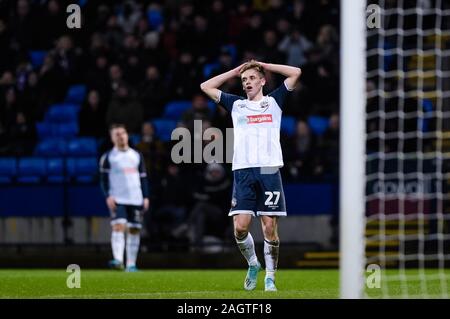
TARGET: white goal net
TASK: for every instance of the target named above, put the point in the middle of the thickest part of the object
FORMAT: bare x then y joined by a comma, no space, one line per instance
407,195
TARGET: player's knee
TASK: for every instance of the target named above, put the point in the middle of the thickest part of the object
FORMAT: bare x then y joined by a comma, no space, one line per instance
240,229
270,231
270,234
134,231
118,227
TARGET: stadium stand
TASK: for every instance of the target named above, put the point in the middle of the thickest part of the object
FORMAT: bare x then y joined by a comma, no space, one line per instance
61,89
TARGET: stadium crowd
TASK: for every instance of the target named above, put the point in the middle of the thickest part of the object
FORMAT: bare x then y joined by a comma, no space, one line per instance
134,57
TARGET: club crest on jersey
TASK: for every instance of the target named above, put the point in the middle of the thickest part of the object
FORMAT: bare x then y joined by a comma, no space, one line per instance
241,106
264,104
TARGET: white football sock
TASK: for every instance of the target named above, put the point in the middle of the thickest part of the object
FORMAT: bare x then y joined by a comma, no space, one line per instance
118,245
133,241
247,248
271,251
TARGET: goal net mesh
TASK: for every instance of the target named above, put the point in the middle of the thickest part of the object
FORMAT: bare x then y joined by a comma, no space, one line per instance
408,149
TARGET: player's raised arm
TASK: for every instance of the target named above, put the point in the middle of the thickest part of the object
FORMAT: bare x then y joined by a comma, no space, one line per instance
211,87
290,72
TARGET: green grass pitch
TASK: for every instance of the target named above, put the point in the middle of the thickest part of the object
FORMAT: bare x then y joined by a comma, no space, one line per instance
185,284
166,284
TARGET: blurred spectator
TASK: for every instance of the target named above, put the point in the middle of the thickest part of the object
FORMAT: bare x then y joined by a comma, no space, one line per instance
299,16
276,9
8,108
153,150
153,52
328,82
299,102
129,16
50,26
225,62
269,50
22,71
7,54
218,17
295,46
327,12
125,109
98,76
130,59
193,38
52,82
31,98
23,26
66,58
22,136
91,118
169,38
170,209
329,147
199,111
186,77
113,33
209,213
238,20
299,152
327,44
7,80
152,93
115,78
251,36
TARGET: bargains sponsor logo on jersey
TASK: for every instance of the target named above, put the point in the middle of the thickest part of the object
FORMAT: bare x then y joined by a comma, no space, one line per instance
124,170
130,170
256,119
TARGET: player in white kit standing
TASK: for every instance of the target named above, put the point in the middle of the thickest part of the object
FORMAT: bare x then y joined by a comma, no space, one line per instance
257,188
124,183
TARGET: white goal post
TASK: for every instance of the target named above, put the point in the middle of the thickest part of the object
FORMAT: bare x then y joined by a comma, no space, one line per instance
352,146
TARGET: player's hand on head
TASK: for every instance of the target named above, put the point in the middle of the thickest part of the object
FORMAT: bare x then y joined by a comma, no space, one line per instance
111,203
262,64
237,70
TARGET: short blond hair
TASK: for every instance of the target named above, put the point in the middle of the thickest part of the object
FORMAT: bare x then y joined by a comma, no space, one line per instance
252,64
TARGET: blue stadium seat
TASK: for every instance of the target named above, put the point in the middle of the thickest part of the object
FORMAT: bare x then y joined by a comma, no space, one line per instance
44,130
8,170
55,170
76,94
135,139
83,146
318,124
174,110
51,147
155,19
288,125
231,48
164,128
82,170
31,170
212,107
209,68
67,130
62,113
37,58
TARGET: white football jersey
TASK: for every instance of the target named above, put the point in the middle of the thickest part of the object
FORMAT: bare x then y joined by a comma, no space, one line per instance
256,128
125,170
